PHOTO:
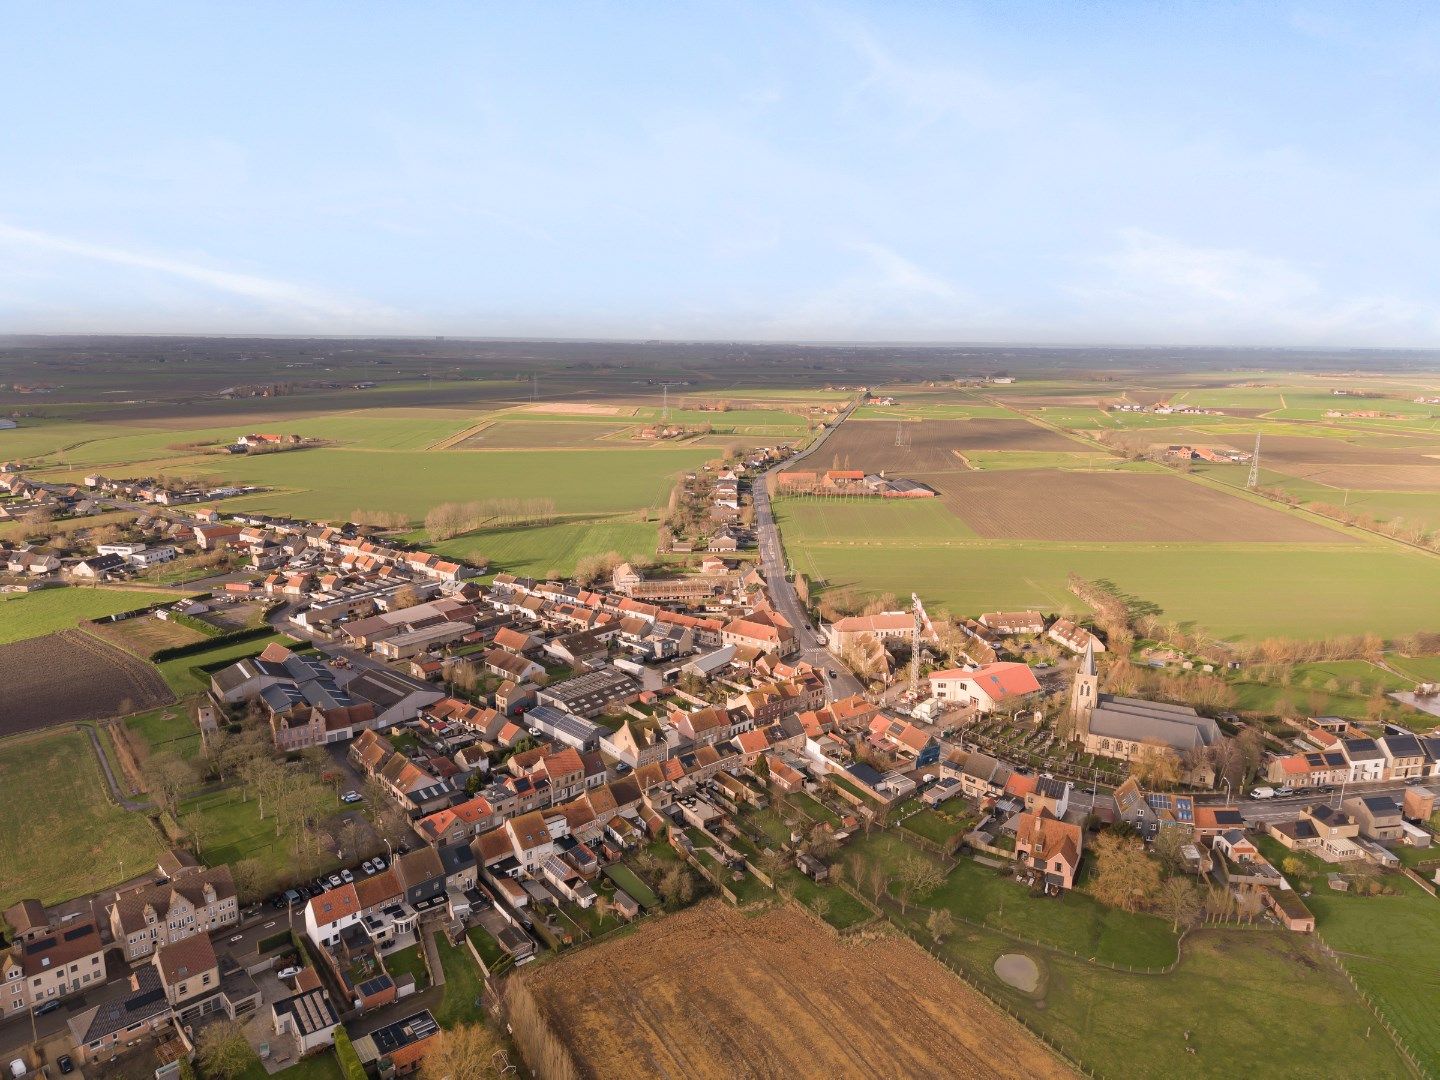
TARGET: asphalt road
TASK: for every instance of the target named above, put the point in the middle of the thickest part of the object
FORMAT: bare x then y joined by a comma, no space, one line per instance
782,592
1287,808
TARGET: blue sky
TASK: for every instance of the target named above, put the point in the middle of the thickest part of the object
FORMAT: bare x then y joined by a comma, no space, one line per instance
1223,173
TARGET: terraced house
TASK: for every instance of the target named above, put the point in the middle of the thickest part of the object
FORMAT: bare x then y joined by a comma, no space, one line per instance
194,901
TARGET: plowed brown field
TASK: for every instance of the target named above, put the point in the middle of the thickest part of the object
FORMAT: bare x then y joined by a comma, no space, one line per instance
711,993
69,676
1040,504
929,446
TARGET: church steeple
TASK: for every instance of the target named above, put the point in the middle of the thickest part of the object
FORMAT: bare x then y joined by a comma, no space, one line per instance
1085,692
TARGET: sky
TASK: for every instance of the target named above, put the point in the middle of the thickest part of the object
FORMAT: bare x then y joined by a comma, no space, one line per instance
1078,172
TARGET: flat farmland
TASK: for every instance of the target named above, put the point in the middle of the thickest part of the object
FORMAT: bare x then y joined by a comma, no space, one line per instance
713,993
27,615
69,676
1047,504
1010,435
531,435
537,550
63,836
1237,591
851,520
327,484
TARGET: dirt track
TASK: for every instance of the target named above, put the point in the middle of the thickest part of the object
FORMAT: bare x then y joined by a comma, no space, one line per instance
711,994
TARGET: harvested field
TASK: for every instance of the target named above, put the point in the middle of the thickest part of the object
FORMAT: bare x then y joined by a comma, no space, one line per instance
1118,506
70,676
711,992
1424,478
144,636
1010,435
930,446
1275,449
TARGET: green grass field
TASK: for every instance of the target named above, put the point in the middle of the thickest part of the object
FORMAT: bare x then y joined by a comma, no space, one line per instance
408,962
536,550
1075,922
29,615
236,832
332,483
463,986
991,460
1235,590
166,731
62,835
1391,945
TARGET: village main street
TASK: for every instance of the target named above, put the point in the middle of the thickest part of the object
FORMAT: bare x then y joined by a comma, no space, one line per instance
839,681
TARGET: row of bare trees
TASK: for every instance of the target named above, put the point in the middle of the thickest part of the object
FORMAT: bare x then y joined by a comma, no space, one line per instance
453,518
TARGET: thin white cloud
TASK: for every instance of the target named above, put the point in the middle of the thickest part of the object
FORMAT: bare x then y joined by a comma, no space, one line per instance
927,93
898,274
280,298
1183,291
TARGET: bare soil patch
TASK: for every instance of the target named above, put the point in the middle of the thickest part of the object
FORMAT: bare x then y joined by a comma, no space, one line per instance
572,408
145,635
928,446
1042,504
712,993
70,676
1275,449
1019,971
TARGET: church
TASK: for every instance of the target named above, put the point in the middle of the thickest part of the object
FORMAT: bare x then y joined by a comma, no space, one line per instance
1116,727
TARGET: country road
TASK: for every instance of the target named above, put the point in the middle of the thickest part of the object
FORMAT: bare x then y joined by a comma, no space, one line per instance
782,591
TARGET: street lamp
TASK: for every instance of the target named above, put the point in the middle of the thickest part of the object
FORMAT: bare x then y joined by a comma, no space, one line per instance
1228,797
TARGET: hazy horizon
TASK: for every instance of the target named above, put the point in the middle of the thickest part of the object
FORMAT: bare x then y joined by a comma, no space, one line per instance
867,174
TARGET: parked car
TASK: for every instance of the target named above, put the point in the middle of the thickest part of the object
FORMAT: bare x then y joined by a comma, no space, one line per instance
66,1065
346,876
335,881
292,896
49,1006
368,866
288,972
1262,793
379,862
351,797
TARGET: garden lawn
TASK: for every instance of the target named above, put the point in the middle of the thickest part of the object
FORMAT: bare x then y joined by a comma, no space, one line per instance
167,730
626,879
30,615
185,679
236,832
936,826
62,835
1074,922
463,986
408,962
840,909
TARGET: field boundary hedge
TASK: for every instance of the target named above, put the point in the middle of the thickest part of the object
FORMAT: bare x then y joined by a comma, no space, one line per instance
234,637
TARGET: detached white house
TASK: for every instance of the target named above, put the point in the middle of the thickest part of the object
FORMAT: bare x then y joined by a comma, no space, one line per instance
986,688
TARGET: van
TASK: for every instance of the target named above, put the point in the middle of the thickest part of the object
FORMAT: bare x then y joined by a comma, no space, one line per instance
1262,793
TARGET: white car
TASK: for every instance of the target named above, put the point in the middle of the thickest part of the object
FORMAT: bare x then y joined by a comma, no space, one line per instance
288,972
351,797
346,876
1262,793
